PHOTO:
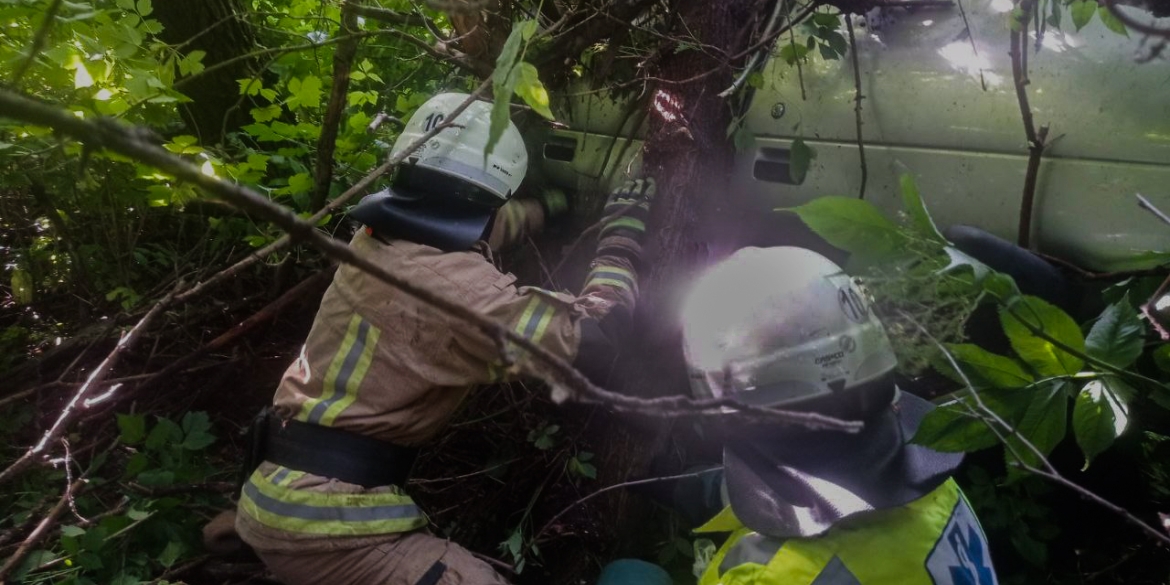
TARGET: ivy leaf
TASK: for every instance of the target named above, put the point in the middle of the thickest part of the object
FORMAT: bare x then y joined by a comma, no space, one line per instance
1043,355
1101,415
919,215
132,428
304,93
854,225
1117,336
531,90
1111,22
1082,12
1044,424
985,369
799,158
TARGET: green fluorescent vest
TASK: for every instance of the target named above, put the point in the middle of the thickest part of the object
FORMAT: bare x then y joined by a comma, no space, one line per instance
935,540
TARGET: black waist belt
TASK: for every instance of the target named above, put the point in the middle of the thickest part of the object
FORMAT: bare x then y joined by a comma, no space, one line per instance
331,452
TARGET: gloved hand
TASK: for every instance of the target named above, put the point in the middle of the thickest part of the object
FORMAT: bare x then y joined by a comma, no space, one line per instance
554,202
625,216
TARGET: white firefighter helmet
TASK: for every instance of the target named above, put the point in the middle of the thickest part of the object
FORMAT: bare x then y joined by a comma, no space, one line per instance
458,151
447,191
786,327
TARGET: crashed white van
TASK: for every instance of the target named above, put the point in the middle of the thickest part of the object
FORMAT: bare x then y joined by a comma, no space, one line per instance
926,110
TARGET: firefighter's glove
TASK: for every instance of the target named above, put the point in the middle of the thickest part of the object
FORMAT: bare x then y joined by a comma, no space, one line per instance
554,202
624,220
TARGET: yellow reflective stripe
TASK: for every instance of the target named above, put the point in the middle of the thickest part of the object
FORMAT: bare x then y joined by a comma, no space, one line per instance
526,316
609,282
615,270
354,380
334,368
333,514
545,319
631,223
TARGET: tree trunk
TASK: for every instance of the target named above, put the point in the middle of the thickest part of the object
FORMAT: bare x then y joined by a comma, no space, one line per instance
693,221
219,28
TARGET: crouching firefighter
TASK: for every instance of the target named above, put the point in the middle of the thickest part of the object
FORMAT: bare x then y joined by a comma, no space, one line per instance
787,328
382,372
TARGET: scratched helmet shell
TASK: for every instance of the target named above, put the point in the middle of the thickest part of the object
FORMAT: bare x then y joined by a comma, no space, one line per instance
786,327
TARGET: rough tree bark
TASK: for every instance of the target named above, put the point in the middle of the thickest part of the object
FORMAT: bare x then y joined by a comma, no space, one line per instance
211,26
692,222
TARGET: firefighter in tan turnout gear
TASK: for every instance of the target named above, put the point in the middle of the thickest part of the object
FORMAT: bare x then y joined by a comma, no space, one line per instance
381,372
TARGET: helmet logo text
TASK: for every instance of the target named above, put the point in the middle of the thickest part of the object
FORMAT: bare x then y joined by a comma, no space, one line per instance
432,120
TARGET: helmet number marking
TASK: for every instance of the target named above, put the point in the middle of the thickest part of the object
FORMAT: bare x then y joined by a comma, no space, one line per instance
433,119
852,304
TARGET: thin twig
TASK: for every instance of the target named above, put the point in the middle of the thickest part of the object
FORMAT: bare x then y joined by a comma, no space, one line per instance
38,534
1048,472
857,102
751,65
1150,207
566,381
1036,138
799,68
610,488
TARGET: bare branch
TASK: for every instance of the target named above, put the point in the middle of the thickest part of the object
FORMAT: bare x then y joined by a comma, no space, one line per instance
38,534
342,62
1150,207
94,380
1127,20
857,102
567,382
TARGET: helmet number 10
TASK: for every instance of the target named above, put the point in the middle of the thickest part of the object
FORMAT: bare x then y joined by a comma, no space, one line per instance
431,121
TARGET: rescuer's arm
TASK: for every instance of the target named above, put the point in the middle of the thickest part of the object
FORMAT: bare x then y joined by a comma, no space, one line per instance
520,218
578,328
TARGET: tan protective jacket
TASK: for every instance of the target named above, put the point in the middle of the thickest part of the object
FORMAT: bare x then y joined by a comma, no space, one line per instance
381,363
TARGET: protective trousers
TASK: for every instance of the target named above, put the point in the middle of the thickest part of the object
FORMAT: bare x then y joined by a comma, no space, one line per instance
411,558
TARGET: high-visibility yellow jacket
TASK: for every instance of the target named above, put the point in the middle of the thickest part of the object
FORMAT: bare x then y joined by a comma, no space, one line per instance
934,540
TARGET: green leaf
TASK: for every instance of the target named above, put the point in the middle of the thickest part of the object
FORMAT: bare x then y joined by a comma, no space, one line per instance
985,369
1082,12
156,477
70,530
1162,357
837,42
854,225
954,429
125,4
1040,353
919,216
192,63
22,287
531,90
124,578
792,52
1044,424
1117,336
165,433
1101,414
266,113
1002,287
827,20
304,93
171,553
144,8
196,427
504,80
132,427
960,260
1111,22
800,157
